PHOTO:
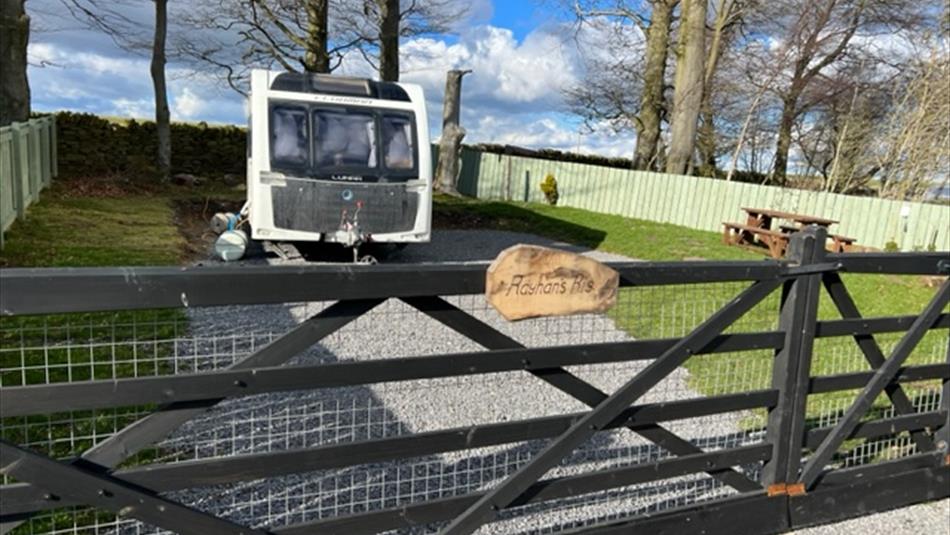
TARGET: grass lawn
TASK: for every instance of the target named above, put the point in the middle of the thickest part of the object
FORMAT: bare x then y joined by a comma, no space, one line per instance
662,312
86,225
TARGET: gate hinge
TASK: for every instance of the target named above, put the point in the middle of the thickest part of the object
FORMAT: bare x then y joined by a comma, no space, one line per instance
790,489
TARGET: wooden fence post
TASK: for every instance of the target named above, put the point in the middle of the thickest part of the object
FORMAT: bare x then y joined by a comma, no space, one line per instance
54,154
20,189
46,172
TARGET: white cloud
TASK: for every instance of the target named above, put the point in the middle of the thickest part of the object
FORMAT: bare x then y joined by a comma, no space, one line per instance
138,108
188,104
533,72
514,94
553,131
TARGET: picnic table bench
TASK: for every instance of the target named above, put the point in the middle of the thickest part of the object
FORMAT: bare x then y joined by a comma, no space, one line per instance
737,233
839,243
758,227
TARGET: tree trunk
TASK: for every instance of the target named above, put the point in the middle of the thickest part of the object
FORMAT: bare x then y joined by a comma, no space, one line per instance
706,140
784,143
316,58
688,86
162,120
452,134
651,102
14,86
389,40
733,162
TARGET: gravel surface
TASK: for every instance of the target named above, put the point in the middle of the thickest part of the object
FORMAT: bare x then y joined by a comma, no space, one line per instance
283,421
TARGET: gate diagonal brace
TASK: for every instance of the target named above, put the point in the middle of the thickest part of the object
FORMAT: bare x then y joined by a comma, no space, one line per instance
90,484
482,333
155,426
882,377
874,355
514,486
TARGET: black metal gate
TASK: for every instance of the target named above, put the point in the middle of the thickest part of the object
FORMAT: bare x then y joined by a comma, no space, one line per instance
784,472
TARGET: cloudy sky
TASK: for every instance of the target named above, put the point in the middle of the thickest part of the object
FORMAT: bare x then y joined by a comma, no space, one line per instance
520,52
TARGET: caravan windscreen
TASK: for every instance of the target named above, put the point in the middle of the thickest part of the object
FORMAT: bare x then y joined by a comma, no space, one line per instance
344,138
321,141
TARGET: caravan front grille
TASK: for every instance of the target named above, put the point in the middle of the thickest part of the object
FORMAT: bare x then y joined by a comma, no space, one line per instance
318,206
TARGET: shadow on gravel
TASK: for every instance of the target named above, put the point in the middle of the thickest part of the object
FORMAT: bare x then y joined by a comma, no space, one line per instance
473,246
451,214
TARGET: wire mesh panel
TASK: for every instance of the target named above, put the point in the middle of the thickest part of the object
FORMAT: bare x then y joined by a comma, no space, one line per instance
205,339
841,356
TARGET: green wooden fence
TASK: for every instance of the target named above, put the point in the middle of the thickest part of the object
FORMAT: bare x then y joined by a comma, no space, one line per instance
699,203
27,165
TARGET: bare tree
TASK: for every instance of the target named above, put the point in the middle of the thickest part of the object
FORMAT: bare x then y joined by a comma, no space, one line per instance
110,17
452,134
626,69
760,71
14,85
727,15
388,39
157,70
835,141
916,134
688,86
379,24
652,104
819,35
236,36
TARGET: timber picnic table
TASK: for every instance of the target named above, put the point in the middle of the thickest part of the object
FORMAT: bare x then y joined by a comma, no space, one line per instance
762,217
758,226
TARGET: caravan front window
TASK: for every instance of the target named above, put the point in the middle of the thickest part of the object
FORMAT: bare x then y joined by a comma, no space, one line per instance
397,142
344,138
289,143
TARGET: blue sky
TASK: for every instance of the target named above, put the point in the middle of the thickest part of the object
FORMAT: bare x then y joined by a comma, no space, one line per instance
517,50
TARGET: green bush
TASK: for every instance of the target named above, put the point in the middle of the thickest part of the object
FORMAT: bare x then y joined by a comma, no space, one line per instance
891,246
89,145
549,188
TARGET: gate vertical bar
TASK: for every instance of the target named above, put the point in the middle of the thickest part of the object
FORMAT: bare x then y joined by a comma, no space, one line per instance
792,364
943,434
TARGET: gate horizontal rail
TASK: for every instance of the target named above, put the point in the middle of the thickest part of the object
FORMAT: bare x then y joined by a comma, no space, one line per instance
779,494
26,400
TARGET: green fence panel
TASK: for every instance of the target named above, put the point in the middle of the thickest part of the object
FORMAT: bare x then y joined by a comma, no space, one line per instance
27,164
696,202
8,209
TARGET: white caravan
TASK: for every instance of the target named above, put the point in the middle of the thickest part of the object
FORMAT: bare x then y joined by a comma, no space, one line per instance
339,160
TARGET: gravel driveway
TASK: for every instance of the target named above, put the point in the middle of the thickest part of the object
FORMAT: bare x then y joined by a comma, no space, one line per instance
283,421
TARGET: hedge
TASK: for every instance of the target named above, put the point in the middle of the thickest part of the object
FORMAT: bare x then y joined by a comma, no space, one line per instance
90,145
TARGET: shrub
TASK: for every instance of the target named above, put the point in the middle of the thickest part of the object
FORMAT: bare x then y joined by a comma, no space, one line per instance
891,246
549,188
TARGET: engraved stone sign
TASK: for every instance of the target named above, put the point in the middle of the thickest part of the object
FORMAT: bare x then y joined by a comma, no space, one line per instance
527,281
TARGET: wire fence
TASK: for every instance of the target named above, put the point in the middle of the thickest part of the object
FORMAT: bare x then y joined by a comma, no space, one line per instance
75,348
